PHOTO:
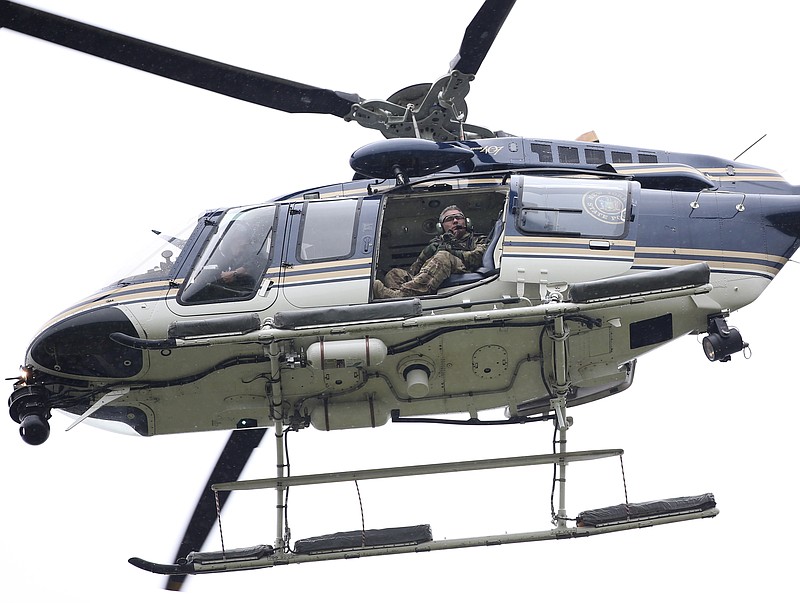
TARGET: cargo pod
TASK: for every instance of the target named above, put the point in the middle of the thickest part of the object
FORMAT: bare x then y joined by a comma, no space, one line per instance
571,229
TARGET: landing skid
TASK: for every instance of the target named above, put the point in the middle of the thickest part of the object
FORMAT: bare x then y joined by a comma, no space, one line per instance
415,539
265,556
418,539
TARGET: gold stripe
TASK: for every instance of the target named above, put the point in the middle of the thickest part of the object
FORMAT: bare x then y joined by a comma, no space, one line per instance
670,256
531,241
714,265
127,289
666,251
655,167
329,265
132,294
326,276
718,253
574,253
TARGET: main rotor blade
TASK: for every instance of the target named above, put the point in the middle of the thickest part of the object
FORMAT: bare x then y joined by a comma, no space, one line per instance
236,82
231,462
480,35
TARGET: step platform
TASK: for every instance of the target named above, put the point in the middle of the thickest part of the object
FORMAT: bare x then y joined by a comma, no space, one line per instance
194,559
655,509
360,539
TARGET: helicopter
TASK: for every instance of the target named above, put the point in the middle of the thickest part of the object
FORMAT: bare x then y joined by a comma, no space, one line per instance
685,281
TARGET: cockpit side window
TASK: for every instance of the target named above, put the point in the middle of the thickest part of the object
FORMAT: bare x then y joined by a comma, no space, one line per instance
328,230
236,257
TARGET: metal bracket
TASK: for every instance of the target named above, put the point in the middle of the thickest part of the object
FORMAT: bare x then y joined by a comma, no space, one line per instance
106,399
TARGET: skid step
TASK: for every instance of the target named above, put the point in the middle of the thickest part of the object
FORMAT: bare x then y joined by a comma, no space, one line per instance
187,566
654,509
359,539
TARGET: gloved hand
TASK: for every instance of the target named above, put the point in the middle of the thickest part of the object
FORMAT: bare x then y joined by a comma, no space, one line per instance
446,243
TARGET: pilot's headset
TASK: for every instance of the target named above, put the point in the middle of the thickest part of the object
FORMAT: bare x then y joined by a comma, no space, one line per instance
440,228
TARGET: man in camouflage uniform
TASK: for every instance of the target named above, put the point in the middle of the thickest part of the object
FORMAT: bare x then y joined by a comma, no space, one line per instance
455,251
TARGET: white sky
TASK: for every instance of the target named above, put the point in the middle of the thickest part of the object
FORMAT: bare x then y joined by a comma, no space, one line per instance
94,155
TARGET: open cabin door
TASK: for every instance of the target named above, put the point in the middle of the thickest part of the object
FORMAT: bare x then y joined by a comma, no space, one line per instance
566,230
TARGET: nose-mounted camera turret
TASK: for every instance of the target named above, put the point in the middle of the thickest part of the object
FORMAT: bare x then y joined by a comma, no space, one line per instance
722,340
29,406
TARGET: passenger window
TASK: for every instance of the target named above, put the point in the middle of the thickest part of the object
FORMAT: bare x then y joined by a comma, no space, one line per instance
328,230
573,207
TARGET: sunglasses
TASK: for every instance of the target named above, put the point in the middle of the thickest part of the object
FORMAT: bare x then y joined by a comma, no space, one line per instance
453,217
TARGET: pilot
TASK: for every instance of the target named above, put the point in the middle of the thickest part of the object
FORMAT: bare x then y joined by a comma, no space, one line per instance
236,260
232,272
455,251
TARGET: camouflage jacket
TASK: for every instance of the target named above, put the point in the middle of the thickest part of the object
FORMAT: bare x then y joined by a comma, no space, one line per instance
469,250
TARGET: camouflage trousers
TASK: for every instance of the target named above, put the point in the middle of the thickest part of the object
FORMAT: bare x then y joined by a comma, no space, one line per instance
432,274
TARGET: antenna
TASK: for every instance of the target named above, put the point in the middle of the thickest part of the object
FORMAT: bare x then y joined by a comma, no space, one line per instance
748,148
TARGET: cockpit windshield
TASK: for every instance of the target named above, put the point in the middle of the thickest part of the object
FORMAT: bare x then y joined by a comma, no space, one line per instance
161,256
233,262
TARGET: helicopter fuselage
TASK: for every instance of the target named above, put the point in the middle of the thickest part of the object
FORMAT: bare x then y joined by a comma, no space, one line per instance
175,348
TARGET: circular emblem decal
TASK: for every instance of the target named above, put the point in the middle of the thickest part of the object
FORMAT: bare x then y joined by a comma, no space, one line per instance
607,206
